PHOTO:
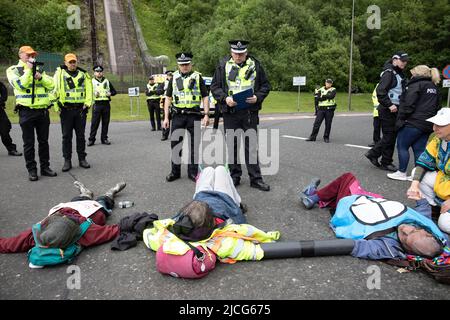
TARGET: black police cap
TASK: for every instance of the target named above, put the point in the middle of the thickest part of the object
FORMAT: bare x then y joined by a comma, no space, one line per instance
238,46
184,57
98,68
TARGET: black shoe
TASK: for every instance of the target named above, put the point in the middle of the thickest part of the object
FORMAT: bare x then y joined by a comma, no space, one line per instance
236,181
153,129
388,167
32,175
373,160
326,140
84,164
172,177
192,177
311,139
106,142
243,207
164,138
14,153
259,184
67,165
90,143
48,172
159,129
371,145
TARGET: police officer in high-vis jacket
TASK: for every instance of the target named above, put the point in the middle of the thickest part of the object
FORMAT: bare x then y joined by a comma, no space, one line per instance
153,93
33,109
186,90
73,96
103,90
325,110
389,91
235,74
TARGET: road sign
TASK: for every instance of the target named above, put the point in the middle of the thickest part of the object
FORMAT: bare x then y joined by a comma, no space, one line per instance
133,92
446,83
446,72
299,81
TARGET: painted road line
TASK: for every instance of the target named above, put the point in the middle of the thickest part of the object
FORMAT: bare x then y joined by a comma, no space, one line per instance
355,146
292,137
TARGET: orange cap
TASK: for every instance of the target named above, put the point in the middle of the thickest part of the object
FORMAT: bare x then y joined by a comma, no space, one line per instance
27,50
70,57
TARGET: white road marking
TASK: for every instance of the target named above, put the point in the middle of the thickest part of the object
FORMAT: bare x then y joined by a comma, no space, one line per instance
355,146
292,137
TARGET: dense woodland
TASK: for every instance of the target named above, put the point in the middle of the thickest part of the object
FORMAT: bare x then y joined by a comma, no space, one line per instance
296,37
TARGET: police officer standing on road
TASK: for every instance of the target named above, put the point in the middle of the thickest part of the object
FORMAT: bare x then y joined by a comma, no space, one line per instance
33,109
154,92
185,92
103,91
234,74
5,124
316,99
390,89
325,110
73,97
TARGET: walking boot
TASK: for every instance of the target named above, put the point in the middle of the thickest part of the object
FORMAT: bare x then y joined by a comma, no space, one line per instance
111,193
84,192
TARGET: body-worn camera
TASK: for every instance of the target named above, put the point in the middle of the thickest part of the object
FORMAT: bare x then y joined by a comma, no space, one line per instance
233,73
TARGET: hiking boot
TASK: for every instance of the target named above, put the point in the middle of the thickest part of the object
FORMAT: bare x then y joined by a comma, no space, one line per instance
111,193
84,192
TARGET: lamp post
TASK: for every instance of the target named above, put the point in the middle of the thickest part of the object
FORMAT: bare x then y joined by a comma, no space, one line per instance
351,61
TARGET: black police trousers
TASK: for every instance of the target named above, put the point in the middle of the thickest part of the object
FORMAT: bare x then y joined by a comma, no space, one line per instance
376,129
386,146
73,119
180,123
32,120
5,128
322,114
244,120
153,107
100,112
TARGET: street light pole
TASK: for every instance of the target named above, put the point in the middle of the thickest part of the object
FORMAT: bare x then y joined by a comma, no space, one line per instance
351,61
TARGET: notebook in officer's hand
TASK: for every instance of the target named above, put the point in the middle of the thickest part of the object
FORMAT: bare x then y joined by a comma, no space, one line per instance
240,98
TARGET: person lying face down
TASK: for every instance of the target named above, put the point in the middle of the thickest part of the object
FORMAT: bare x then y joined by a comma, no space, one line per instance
382,229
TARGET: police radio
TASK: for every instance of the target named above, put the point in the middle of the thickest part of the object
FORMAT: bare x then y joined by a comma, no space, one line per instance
249,72
233,73
180,84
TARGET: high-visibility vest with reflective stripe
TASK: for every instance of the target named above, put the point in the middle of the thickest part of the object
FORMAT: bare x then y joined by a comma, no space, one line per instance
21,79
152,87
326,103
186,98
102,88
82,91
240,83
375,102
233,242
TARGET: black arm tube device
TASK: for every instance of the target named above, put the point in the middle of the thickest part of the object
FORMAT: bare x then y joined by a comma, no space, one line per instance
311,248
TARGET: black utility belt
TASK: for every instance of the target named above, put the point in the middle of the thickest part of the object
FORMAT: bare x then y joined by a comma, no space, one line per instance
193,111
73,107
21,107
327,108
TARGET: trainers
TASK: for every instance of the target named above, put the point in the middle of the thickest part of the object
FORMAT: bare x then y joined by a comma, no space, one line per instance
398,175
33,266
306,201
312,187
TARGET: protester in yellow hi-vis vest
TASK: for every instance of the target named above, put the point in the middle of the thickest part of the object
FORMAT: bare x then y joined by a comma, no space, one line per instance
376,119
73,97
185,91
201,223
103,90
32,103
326,107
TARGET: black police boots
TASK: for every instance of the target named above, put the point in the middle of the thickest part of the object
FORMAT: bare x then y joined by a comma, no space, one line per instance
32,175
48,172
259,184
311,139
67,165
14,153
172,177
84,164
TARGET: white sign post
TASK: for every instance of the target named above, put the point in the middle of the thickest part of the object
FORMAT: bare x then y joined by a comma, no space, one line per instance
134,92
446,84
299,81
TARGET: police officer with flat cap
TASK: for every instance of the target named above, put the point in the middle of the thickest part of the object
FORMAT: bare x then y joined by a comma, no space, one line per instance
186,90
325,110
32,103
103,91
235,74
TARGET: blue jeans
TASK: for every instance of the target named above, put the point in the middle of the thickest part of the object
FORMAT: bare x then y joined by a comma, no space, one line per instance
410,137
